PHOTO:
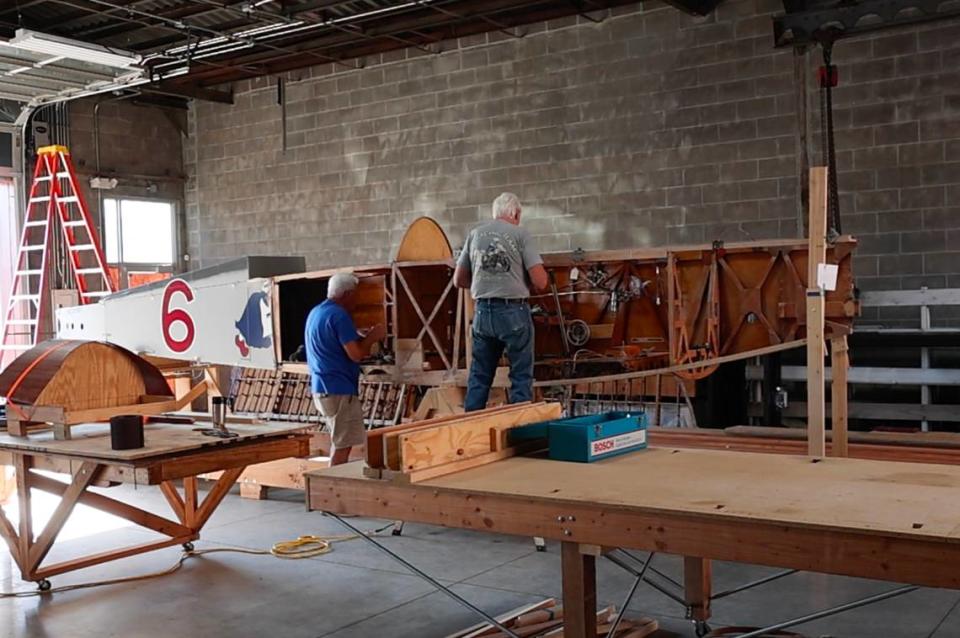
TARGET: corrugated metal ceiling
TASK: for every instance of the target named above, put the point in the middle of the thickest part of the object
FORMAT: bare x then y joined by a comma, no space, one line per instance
207,43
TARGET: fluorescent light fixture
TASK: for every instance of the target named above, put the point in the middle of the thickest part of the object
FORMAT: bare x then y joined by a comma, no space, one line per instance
73,49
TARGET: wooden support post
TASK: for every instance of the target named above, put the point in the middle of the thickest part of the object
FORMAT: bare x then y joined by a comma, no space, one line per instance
839,365
816,407
697,587
579,591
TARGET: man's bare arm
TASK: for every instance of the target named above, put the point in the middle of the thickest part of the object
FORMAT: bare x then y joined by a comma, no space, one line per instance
462,277
359,349
538,278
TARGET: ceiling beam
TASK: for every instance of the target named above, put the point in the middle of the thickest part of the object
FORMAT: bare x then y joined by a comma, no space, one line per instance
436,26
424,20
191,91
184,12
312,5
16,8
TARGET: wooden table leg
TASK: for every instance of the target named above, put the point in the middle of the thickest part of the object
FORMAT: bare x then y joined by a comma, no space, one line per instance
579,592
22,465
697,587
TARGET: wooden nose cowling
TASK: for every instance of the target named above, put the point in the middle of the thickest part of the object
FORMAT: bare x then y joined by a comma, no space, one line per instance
64,382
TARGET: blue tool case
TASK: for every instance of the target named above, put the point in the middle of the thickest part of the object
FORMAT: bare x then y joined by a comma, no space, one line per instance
588,438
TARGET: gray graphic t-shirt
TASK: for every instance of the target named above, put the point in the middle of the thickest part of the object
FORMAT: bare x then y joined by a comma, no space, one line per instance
498,254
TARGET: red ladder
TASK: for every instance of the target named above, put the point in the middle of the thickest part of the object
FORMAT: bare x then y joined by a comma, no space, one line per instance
53,194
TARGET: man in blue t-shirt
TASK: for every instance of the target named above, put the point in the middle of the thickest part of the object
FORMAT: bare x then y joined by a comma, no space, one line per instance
334,349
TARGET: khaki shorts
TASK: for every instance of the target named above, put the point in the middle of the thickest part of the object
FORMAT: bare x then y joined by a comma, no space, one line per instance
344,415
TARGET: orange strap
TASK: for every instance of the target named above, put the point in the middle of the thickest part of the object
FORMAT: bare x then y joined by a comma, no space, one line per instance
26,371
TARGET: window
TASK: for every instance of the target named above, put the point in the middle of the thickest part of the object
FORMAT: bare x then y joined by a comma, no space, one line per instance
142,232
140,239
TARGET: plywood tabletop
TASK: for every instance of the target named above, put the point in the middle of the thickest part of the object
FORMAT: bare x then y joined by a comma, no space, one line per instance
160,439
889,498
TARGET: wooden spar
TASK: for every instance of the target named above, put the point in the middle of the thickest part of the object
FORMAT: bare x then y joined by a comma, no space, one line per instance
688,366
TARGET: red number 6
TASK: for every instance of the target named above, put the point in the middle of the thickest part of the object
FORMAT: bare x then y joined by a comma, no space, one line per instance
177,315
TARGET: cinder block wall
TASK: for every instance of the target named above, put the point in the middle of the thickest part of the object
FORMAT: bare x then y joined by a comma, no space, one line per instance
649,128
139,145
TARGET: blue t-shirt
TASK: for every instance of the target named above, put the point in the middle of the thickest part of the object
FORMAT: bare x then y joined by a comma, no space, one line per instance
329,327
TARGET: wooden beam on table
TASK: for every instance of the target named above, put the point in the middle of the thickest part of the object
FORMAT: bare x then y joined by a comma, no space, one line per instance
579,591
839,363
151,407
383,450
816,255
467,437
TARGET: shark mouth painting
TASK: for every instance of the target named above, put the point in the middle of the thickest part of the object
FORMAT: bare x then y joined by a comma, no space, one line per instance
255,327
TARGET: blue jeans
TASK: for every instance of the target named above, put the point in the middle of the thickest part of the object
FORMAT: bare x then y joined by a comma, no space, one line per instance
499,326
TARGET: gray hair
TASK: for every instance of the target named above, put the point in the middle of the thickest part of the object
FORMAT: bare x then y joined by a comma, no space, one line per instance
341,283
507,205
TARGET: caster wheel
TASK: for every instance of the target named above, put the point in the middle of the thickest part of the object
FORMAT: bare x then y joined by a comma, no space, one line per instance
397,532
187,547
44,585
541,548
701,628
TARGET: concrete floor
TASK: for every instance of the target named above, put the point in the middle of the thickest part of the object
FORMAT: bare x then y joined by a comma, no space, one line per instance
357,592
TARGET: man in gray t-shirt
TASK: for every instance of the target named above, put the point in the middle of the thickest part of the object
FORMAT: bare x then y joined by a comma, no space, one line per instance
500,264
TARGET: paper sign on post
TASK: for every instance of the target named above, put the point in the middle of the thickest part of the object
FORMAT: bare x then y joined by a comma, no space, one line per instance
827,276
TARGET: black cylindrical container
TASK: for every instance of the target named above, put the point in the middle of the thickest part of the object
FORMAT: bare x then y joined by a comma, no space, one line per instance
126,432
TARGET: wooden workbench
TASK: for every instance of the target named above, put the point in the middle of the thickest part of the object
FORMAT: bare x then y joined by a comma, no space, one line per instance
171,452
873,519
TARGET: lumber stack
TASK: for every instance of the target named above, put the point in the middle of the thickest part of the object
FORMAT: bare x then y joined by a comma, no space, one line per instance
427,449
546,619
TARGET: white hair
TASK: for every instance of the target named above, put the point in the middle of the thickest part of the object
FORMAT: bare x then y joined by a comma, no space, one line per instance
506,206
341,283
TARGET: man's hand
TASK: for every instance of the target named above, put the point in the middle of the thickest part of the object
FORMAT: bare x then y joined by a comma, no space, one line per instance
360,349
376,333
